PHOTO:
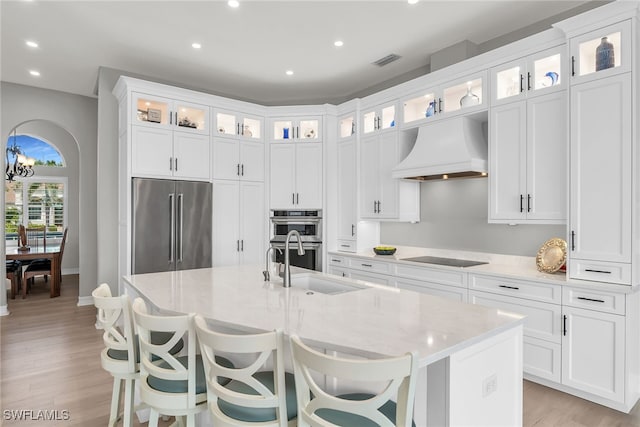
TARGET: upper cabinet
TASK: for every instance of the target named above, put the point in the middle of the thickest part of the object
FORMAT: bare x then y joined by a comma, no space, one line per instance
168,113
297,129
379,118
533,75
347,126
457,97
601,53
235,124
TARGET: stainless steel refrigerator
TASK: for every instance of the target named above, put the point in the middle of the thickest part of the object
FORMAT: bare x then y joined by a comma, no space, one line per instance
171,225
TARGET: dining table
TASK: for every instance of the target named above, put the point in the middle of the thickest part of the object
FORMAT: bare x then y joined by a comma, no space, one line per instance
51,252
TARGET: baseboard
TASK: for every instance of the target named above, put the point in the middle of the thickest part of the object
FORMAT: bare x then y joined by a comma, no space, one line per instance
75,270
85,301
4,310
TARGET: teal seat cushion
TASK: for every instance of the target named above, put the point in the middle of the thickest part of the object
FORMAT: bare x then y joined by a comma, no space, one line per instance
180,386
351,420
157,337
242,413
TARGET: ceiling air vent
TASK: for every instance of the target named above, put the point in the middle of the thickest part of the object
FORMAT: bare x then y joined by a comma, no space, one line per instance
386,60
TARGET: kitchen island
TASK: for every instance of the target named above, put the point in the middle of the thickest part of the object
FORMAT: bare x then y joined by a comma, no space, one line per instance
471,355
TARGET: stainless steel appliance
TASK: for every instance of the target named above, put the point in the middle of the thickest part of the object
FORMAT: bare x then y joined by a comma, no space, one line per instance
306,222
171,225
452,262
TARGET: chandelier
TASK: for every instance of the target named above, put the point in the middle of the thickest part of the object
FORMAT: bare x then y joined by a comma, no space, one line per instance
22,165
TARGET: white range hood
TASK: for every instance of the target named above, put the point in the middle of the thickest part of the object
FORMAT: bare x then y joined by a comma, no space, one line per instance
452,148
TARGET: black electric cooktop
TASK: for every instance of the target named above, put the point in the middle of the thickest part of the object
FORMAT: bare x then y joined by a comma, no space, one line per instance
444,261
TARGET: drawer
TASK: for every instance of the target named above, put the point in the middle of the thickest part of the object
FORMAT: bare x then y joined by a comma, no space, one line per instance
536,291
338,271
435,275
544,320
445,291
338,261
373,278
600,271
347,246
370,265
607,302
542,359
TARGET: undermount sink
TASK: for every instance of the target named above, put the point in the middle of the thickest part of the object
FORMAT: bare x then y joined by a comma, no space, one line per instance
322,285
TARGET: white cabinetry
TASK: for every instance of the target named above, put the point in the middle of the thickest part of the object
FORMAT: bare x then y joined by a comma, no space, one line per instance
465,95
238,222
601,180
593,347
381,196
238,147
379,118
527,160
296,175
347,191
307,129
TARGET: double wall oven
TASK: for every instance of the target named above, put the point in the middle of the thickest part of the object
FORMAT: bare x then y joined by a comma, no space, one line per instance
306,222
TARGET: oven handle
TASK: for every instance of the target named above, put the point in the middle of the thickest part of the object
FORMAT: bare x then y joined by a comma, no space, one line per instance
294,244
307,220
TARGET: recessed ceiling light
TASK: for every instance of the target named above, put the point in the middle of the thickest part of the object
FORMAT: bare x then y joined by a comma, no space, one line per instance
289,72
338,43
233,3
196,45
34,73
31,43
412,1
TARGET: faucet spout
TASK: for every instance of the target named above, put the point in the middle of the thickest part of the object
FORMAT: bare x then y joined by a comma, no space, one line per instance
266,274
287,268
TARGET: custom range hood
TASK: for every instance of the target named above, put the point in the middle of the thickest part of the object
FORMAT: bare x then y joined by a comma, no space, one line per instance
452,148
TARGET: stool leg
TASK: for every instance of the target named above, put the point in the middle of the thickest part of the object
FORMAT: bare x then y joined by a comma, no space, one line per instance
128,402
153,418
115,402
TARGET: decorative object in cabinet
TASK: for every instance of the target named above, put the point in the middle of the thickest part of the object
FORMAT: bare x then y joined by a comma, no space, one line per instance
170,113
229,123
605,55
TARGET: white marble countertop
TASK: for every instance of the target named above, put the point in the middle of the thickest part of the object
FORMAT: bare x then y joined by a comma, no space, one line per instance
516,267
373,321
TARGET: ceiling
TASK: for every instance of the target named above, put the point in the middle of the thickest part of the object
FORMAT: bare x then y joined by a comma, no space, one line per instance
246,51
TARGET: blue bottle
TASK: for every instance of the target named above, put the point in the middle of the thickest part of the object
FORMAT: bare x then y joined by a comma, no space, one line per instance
285,133
431,109
604,55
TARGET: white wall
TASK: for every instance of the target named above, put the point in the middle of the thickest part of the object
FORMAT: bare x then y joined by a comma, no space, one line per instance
78,116
454,216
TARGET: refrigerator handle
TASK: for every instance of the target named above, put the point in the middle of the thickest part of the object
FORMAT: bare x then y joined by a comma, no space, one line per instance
181,212
172,227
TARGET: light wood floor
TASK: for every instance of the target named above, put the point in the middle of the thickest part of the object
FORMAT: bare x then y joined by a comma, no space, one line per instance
50,360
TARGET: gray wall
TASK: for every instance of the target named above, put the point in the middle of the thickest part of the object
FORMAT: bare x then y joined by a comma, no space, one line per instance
78,116
454,216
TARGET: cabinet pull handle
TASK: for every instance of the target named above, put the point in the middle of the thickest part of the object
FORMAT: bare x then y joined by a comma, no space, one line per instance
344,246
528,202
242,170
237,245
238,169
528,81
439,105
353,230
597,271
564,325
573,66
293,198
242,245
367,265
573,240
237,128
509,287
170,118
378,206
591,299
374,207
336,260
521,83
176,162
521,203
297,198
170,163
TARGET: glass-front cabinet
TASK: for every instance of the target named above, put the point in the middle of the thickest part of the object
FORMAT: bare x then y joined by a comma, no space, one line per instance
169,113
230,123
299,129
347,126
380,117
457,97
602,52
529,76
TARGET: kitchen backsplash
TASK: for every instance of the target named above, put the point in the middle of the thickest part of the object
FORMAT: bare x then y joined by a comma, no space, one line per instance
454,216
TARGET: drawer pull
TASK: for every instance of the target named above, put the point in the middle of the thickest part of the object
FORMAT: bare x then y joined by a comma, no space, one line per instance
597,271
591,299
366,265
510,287
345,246
564,325
336,260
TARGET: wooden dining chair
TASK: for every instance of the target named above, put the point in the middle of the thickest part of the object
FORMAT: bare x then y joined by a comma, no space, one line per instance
42,267
14,274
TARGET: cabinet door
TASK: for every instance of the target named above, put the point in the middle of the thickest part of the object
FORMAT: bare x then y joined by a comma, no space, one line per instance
226,164
252,223
463,96
251,161
151,152
547,150
347,126
507,157
545,72
308,177
282,185
388,186
369,191
226,214
347,201
309,129
593,348
152,111
191,156
191,117
508,82
601,170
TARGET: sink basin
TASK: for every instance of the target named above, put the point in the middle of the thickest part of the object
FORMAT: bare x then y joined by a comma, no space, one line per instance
322,285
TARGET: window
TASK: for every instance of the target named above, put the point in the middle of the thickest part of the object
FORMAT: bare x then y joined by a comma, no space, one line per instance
43,200
44,153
